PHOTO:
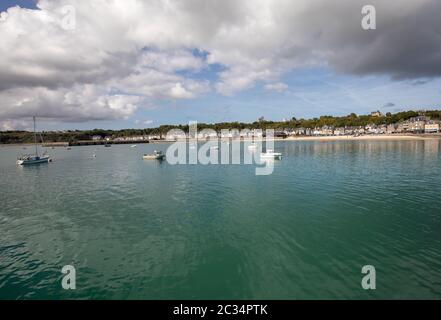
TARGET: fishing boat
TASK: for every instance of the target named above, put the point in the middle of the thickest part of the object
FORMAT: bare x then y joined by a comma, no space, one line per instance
270,154
34,158
156,155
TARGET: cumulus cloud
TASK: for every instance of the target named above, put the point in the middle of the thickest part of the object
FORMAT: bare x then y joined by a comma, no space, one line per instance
122,55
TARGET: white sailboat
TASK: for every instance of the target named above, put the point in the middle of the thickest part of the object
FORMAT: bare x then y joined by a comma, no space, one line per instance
33,158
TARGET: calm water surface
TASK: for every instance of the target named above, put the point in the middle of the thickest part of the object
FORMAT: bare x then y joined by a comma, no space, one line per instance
138,229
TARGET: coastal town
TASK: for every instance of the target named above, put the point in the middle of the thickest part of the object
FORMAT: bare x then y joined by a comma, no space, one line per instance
375,124
416,125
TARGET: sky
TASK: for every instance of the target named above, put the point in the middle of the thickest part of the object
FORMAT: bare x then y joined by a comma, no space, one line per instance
141,63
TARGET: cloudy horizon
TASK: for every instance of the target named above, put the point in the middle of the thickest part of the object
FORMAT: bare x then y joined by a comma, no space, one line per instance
145,63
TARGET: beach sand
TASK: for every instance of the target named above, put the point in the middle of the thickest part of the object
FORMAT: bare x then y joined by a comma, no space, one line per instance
369,137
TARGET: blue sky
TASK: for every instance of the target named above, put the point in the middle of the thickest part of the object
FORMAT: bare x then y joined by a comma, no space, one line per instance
192,92
5,4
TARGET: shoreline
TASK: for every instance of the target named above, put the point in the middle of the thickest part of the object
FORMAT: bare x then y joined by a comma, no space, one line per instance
382,137
369,137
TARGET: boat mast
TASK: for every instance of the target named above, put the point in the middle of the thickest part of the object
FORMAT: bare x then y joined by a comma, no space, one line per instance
35,138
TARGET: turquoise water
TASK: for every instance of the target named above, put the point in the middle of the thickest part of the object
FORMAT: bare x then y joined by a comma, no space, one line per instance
137,229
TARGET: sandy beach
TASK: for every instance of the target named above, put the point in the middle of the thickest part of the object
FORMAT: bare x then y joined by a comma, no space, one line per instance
369,137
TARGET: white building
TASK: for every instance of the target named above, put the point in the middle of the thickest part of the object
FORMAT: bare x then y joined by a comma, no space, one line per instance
339,131
417,126
392,128
431,127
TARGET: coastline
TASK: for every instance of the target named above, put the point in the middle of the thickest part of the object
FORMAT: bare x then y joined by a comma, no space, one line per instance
379,137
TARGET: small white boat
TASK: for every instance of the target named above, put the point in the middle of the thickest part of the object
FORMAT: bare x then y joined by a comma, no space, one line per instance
133,146
156,155
270,154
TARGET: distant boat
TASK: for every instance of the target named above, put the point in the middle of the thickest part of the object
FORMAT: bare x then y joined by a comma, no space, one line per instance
69,148
107,145
252,146
34,158
270,154
133,146
156,155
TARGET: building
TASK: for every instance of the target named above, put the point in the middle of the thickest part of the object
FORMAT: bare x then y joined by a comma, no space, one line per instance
403,127
300,132
392,128
417,126
371,129
419,119
97,138
317,132
339,131
175,135
376,114
359,130
431,127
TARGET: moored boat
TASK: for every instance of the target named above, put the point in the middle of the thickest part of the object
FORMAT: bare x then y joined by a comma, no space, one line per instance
156,155
270,154
33,158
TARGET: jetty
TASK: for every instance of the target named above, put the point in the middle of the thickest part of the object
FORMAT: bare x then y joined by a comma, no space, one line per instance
91,143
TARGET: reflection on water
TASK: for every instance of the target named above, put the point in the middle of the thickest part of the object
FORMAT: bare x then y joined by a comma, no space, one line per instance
149,230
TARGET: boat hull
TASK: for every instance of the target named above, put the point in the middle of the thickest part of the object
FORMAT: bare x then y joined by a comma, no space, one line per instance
153,157
25,162
276,156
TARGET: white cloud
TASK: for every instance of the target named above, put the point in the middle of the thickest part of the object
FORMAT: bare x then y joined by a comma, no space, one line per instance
144,50
79,103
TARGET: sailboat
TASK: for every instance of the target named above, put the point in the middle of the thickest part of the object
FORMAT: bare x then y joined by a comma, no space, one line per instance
34,158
